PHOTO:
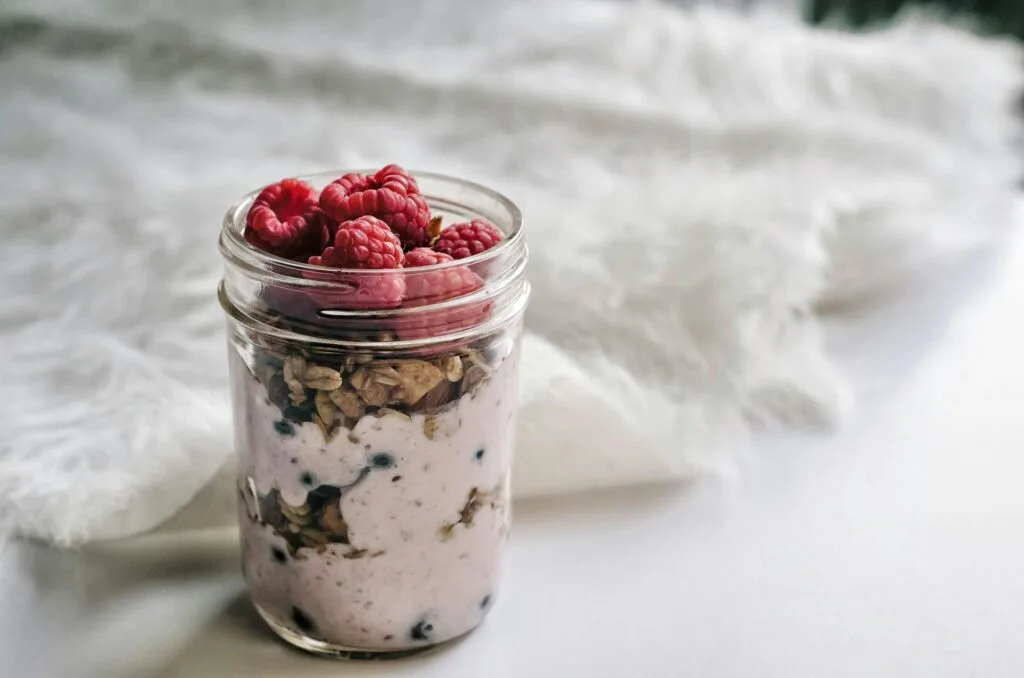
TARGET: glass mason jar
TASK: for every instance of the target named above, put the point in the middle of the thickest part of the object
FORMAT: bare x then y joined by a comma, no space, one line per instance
375,444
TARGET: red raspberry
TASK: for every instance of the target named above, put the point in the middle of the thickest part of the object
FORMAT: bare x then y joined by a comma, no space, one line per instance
354,183
365,243
397,179
391,195
281,220
465,240
433,287
288,198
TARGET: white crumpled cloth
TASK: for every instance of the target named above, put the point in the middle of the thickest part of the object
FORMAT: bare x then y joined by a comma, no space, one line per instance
698,187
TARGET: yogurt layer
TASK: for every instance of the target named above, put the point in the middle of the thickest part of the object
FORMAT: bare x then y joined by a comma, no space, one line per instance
386,534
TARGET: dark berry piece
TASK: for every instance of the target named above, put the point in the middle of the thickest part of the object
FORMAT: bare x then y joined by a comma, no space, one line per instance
284,427
279,555
422,630
382,460
321,496
388,637
302,620
306,478
396,479
479,454
485,602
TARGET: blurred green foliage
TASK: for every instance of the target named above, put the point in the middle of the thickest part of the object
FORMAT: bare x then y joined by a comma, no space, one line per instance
993,16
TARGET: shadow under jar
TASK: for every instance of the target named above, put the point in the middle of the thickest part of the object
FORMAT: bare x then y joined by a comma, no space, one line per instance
375,444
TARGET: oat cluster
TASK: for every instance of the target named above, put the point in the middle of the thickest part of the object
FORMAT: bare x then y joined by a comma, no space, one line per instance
336,394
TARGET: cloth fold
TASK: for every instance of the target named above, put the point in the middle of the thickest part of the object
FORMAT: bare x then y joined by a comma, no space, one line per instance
699,186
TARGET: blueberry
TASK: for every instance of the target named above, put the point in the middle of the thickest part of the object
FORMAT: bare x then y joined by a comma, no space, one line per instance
396,479
284,427
302,620
479,454
306,478
485,602
382,460
278,554
422,630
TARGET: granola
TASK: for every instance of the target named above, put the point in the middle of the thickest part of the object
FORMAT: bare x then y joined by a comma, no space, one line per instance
336,391
475,501
313,524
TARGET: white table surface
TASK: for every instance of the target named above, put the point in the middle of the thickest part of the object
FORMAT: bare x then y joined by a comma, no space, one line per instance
894,548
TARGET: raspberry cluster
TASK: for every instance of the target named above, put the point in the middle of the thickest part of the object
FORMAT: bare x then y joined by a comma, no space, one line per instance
360,227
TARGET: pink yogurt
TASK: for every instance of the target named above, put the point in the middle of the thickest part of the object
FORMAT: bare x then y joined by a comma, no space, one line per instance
420,568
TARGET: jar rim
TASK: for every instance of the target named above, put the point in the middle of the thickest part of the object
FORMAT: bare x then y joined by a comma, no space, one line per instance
502,267
233,245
